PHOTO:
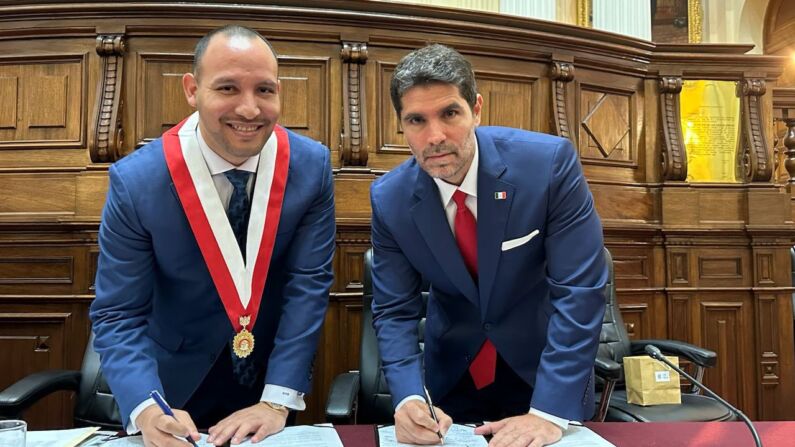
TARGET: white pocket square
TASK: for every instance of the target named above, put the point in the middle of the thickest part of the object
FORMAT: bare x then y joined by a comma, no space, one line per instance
513,243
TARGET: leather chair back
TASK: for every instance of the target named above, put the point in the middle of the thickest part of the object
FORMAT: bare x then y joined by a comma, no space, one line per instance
95,405
375,401
613,340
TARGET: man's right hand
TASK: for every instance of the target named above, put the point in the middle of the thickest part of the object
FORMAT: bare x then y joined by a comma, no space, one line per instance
159,430
414,424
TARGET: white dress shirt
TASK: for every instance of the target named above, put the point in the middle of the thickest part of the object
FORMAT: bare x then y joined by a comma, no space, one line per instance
470,186
218,166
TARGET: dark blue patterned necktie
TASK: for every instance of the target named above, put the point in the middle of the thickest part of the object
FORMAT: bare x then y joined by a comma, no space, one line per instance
239,207
245,370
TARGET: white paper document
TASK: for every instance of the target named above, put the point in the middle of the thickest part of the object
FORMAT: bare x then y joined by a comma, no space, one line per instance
577,436
458,436
300,436
464,436
58,438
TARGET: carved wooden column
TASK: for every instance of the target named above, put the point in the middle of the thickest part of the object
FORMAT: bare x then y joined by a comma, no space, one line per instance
562,74
106,133
674,157
353,150
784,154
789,143
754,164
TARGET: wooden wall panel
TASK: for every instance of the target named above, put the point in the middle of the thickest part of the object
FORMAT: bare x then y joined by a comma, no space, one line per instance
38,333
774,327
43,100
161,101
9,88
305,95
605,126
721,323
31,342
507,100
46,269
23,196
609,112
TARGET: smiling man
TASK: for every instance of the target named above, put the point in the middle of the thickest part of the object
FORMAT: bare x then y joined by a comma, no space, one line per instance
501,223
214,270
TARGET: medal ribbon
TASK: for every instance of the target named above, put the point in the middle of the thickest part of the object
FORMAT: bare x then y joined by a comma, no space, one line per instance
251,280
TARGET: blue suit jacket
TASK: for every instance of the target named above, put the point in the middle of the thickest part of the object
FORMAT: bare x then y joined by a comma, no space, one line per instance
540,303
158,320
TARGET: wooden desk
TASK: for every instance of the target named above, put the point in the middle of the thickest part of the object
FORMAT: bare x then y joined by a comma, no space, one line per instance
678,434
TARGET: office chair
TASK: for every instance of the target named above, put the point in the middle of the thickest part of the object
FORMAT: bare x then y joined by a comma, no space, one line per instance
94,403
363,396
614,345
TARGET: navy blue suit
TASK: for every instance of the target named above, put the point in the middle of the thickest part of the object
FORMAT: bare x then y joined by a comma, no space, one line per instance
158,320
540,303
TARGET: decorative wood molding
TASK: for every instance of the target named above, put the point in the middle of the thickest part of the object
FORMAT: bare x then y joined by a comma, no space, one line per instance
353,148
767,321
674,157
695,21
754,164
107,132
562,74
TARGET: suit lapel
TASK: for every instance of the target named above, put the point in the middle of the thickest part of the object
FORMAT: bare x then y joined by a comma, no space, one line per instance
492,214
431,222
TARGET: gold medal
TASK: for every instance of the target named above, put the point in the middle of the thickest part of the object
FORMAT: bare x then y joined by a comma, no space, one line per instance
243,343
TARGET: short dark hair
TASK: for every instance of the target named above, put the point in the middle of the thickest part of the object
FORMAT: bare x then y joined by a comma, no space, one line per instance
228,31
434,64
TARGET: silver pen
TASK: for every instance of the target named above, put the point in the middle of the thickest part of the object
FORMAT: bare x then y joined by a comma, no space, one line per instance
433,412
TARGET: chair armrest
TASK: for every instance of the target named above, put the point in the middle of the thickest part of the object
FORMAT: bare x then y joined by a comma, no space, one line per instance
698,355
342,399
27,391
607,369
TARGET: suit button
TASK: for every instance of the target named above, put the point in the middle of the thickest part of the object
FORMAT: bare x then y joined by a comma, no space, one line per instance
487,327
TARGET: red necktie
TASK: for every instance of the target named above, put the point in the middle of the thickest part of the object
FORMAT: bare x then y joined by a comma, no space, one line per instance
484,364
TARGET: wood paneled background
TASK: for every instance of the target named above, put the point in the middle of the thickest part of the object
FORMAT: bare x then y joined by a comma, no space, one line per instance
82,85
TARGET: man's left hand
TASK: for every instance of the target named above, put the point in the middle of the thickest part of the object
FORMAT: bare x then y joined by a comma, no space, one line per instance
259,419
527,430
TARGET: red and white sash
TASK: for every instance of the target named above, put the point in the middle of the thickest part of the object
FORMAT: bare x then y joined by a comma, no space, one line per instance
239,284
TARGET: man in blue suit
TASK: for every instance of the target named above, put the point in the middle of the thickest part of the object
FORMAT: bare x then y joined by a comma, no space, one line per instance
502,224
216,246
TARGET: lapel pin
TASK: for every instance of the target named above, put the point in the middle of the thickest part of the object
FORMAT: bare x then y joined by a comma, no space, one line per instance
500,195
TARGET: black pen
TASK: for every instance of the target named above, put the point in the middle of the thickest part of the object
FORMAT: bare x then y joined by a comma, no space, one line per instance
433,412
167,410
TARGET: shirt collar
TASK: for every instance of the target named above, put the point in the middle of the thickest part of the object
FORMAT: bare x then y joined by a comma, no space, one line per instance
469,185
217,164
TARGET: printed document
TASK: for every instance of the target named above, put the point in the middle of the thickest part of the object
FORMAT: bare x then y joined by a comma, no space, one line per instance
300,436
464,436
458,436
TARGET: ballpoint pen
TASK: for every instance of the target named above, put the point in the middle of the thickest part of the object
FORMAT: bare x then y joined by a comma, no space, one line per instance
433,412
167,410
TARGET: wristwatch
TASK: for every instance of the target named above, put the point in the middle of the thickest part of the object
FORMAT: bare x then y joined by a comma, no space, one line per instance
279,408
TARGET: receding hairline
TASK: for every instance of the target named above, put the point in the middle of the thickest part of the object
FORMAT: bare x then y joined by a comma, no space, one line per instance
229,32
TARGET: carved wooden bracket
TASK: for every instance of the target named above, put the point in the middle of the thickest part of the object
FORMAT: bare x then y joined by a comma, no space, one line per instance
107,132
754,164
353,150
562,74
674,157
